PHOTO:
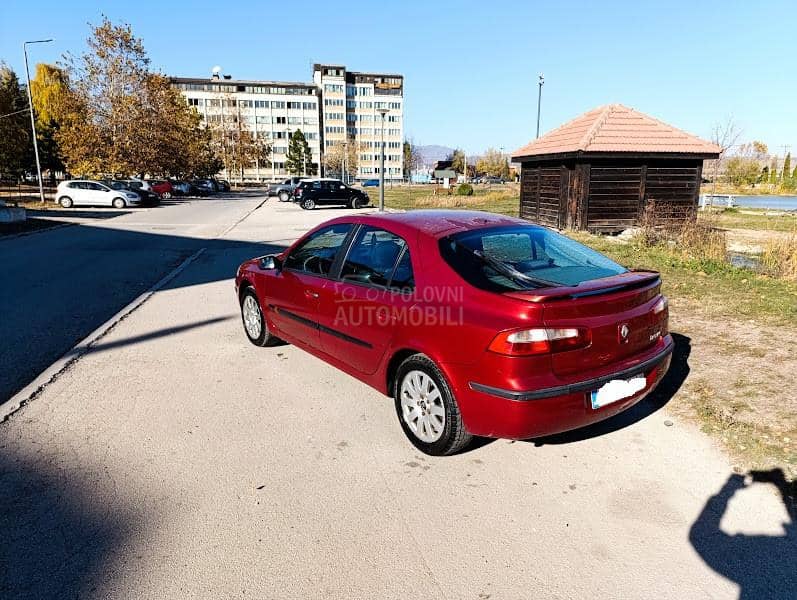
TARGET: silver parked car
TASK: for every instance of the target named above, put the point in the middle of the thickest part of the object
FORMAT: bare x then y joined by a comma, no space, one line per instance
84,192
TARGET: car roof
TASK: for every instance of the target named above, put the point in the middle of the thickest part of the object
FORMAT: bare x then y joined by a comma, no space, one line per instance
435,223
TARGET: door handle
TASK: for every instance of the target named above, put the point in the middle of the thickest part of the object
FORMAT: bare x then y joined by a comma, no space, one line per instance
310,294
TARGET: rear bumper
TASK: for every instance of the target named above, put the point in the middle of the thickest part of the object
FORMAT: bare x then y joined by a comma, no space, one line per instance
521,414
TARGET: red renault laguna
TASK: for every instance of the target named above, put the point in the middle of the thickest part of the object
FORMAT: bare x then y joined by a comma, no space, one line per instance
474,323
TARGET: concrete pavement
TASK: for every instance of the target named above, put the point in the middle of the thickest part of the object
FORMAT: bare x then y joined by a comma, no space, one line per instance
176,460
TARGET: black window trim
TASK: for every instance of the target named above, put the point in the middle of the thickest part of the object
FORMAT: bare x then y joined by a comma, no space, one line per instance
387,288
336,264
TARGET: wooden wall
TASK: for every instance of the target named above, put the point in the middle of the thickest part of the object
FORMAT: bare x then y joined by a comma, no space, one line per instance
609,194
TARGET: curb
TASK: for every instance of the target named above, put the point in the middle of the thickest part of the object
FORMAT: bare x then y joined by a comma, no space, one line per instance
35,231
51,373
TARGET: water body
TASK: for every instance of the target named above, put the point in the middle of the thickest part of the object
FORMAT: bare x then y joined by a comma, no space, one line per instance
773,202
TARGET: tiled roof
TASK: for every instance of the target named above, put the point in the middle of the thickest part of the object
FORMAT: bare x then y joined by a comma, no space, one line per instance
616,128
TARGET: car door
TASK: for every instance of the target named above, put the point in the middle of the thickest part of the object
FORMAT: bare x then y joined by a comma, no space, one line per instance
373,293
79,194
100,195
294,295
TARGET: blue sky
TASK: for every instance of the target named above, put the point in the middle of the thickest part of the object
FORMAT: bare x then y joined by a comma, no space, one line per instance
471,67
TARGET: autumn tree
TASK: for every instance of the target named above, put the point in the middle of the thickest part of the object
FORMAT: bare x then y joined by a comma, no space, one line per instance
457,158
16,146
493,163
50,93
336,155
786,167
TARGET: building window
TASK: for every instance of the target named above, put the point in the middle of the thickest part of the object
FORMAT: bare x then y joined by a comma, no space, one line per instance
195,102
393,118
333,87
333,101
279,149
334,116
214,103
261,103
394,105
278,120
309,135
394,131
310,121
394,144
294,105
334,129
308,105
294,120
277,104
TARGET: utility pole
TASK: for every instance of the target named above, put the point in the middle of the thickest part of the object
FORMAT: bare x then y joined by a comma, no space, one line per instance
383,112
540,83
32,116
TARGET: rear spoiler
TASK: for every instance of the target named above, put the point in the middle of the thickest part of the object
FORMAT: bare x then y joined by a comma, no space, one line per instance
625,281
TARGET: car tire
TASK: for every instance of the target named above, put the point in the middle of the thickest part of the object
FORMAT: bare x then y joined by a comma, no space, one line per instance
65,201
357,202
308,204
284,196
426,408
119,203
255,326
167,195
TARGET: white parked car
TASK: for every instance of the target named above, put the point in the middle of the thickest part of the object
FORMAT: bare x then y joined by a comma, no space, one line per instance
83,192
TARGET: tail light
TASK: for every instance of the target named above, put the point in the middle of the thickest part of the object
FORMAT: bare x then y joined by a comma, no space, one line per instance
527,342
297,192
661,314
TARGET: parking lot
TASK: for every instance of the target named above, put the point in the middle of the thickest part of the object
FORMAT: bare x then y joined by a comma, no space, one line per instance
175,460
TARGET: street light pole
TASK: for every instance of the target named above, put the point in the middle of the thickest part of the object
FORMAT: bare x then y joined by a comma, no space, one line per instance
383,112
33,118
539,100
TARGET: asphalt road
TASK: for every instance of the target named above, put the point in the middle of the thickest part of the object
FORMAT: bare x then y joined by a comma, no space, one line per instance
176,460
59,285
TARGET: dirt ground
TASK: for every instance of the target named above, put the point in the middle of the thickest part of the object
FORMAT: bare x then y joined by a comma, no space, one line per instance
741,386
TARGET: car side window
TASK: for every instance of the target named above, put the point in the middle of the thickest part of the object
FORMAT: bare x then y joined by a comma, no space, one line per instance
372,257
316,254
403,279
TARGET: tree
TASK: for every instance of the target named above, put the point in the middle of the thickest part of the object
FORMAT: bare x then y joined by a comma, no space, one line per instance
773,170
50,93
337,154
493,163
743,167
457,158
412,159
724,134
15,140
299,159
786,167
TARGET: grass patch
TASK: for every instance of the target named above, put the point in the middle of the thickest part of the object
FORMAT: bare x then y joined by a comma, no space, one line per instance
501,199
759,220
756,445
779,258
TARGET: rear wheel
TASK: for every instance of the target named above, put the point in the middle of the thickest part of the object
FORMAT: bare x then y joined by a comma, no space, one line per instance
118,203
426,408
65,201
308,204
167,195
357,202
284,196
255,325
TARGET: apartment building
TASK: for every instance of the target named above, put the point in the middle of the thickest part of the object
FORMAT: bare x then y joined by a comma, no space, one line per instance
339,107
271,110
351,105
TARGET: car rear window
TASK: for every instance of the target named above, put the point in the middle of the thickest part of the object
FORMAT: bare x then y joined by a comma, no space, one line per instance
532,252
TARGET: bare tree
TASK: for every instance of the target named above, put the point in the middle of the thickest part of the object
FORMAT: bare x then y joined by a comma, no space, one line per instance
724,134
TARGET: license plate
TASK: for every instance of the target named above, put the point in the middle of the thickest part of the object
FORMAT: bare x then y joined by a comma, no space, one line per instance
617,389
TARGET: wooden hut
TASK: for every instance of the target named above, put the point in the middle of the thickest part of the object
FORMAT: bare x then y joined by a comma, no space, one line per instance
603,170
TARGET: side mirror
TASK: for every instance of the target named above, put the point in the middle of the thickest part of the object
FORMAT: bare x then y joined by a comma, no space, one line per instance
270,263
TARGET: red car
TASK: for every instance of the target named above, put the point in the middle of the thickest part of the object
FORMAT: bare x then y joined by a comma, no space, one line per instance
475,323
162,187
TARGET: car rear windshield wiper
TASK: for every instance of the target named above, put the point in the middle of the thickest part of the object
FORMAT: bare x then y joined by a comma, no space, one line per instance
506,270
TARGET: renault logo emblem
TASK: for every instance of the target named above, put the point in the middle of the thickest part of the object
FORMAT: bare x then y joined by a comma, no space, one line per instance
624,331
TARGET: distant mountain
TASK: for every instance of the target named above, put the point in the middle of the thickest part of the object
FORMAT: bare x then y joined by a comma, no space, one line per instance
432,153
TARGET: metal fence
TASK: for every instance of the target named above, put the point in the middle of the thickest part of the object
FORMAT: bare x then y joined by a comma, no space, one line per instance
15,191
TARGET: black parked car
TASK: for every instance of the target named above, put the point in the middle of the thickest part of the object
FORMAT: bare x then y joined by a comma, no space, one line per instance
203,187
312,192
148,197
223,185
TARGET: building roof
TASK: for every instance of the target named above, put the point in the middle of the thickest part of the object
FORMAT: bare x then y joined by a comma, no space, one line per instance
613,129
253,82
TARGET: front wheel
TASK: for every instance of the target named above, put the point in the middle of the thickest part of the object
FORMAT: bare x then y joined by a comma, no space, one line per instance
255,325
308,204
65,201
167,195
426,408
118,203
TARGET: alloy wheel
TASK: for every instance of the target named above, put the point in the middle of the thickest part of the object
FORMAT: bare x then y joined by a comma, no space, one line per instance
422,406
252,319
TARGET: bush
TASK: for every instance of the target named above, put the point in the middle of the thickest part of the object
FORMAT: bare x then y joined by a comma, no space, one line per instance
465,189
780,258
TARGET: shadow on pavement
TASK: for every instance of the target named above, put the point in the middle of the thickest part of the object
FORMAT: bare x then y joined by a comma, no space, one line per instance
60,530
763,566
79,213
667,388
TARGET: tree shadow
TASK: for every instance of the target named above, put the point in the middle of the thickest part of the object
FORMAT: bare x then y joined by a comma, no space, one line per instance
664,392
61,530
763,566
